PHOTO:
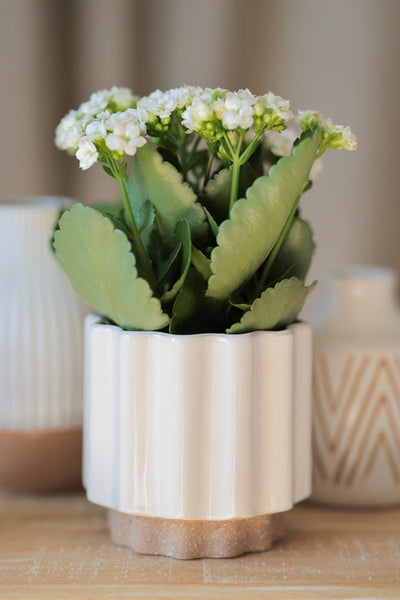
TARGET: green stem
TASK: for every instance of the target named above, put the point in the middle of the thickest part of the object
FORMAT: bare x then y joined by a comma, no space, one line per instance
193,149
144,259
278,244
250,149
208,168
235,175
235,183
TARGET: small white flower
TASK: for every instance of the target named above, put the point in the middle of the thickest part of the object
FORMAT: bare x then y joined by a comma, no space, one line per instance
122,97
125,133
142,117
279,105
115,142
196,114
344,138
118,122
95,130
103,115
91,107
241,117
133,144
100,98
69,131
132,130
350,140
304,114
120,144
230,119
161,104
86,154
280,143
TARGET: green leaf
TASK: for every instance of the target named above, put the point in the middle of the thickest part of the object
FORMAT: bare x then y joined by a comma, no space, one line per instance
108,171
193,312
172,198
213,225
276,308
101,268
142,208
294,257
171,263
110,208
217,191
182,235
201,262
246,239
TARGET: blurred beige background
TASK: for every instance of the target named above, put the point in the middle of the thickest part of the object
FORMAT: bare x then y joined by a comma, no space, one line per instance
338,56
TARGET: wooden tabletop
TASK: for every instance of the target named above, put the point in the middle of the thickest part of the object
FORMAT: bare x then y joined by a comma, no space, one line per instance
57,547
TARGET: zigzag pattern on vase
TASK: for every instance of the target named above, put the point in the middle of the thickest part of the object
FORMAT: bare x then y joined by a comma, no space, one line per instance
357,421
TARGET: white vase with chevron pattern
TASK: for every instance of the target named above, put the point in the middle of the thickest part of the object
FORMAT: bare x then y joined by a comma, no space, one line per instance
41,353
356,423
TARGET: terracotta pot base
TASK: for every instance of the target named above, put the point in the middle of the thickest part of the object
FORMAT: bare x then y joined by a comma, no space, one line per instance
41,461
186,539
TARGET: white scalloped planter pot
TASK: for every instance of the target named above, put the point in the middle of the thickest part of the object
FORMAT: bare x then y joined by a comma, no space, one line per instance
197,444
41,353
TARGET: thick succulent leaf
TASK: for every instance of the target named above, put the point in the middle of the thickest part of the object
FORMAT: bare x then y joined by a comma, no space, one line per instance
276,308
247,237
172,198
218,190
101,268
193,312
142,209
294,257
182,236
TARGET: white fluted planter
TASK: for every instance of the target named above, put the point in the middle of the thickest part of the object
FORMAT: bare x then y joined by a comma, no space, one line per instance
41,353
207,431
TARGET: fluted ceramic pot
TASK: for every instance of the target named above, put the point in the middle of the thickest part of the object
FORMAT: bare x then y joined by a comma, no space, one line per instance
41,353
197,443
357,391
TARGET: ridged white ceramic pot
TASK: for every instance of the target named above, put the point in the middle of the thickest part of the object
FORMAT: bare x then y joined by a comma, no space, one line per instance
357,391
41,352
208,427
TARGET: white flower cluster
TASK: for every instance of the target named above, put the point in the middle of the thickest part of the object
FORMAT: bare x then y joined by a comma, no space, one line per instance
107,118
333,136
339,136
162,104
233,110
208,110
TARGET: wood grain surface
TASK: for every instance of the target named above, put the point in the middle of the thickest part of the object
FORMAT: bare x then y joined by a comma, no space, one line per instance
57,547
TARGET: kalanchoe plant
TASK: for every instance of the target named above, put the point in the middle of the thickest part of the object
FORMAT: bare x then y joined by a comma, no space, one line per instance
208,237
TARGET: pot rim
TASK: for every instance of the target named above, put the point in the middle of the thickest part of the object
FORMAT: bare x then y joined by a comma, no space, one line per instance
94,321
37,202
363,272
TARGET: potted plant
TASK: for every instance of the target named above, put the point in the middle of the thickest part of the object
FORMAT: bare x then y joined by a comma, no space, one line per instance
197,401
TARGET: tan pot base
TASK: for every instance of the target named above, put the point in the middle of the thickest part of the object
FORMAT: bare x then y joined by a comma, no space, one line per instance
181,538
41,461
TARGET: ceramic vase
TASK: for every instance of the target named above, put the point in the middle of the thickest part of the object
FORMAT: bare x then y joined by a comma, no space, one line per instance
357,391
41,354
197,443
